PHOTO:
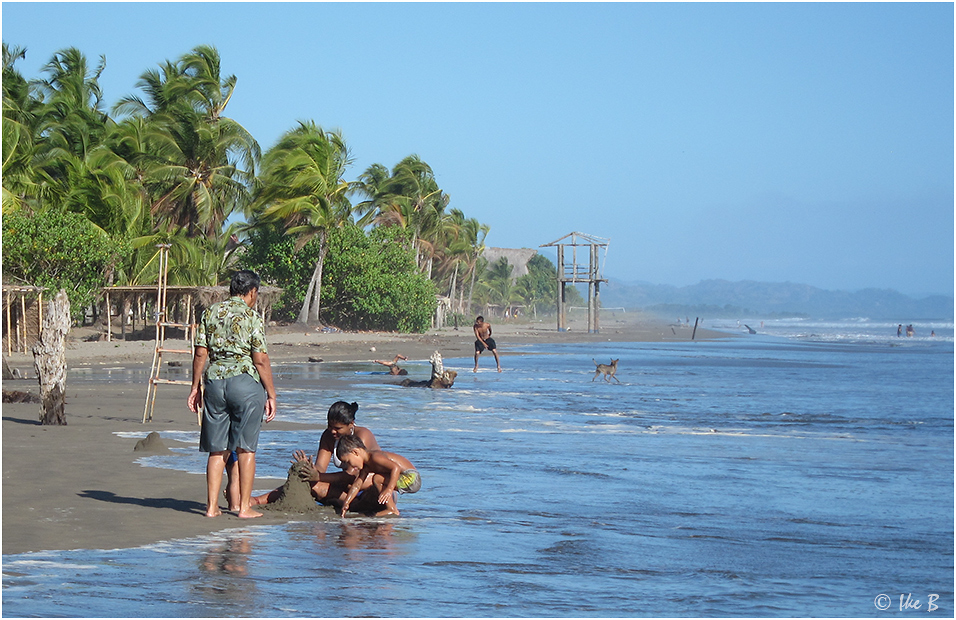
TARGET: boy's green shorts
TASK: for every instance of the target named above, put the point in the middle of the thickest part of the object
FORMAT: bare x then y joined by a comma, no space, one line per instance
409,481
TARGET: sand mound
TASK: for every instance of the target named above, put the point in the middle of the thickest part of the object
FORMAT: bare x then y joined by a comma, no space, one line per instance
151,443
295,495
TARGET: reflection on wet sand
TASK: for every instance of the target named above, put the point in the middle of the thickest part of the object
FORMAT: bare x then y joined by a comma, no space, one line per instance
219,567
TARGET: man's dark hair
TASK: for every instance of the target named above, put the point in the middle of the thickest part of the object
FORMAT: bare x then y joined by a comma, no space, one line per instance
243,282
479,318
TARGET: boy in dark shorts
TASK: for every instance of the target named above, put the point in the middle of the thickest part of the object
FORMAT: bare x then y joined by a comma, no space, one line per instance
484,341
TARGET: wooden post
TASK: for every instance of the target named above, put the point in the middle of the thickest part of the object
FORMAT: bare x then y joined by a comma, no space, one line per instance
597,306
49,359
22,323
9,328
562,321
109,322
694,333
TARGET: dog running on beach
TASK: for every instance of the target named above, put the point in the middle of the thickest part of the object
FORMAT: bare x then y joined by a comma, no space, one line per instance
609,370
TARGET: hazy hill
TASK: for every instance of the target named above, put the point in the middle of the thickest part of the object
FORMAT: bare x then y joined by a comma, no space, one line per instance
720,297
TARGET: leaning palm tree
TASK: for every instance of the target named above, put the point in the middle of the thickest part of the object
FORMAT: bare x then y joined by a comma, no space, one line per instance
201,163
302,189
20,130
408,197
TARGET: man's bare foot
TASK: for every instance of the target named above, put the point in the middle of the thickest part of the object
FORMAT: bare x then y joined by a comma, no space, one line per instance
475,370
213,513
499,368
249,514
387,511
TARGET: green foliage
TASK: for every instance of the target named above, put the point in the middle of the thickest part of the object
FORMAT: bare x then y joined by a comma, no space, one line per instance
368,281
271,253
57,249
538,288
371,282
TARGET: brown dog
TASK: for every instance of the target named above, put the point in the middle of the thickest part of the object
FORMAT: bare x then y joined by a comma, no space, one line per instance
609,370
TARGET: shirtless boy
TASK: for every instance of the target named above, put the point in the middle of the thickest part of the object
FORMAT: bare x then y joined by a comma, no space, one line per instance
388,472
484,341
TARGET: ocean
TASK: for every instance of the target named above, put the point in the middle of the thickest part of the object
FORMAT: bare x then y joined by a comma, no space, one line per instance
805,470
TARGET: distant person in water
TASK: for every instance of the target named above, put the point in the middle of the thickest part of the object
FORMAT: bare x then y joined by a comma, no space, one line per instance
393,368
910,332
483,340
329,488
899,330
386,471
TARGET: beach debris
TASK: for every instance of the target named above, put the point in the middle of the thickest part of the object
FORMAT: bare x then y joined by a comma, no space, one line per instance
750,329
175,363
315,359
16,396
372,349
295,495
440,378
151,443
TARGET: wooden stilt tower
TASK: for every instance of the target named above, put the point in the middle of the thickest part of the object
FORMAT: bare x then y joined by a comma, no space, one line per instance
162,323
570,270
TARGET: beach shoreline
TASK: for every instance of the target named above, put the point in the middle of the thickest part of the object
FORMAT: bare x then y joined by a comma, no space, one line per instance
79,486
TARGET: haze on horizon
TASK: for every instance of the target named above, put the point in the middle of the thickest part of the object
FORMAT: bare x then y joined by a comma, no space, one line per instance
809,143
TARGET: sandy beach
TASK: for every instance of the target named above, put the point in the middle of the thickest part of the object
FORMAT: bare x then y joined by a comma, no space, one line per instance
78,486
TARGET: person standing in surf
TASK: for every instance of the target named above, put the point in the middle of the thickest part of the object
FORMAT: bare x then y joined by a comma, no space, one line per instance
483,340
238,389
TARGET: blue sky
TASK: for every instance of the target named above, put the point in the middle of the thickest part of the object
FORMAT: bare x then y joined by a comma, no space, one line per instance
808,143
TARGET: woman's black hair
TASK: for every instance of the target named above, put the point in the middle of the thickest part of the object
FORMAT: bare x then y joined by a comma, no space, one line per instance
342,412
243,282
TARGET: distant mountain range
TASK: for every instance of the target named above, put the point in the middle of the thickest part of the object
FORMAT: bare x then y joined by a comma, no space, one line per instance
723,299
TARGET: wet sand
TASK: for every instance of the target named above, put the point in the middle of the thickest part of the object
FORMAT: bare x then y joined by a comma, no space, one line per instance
79,487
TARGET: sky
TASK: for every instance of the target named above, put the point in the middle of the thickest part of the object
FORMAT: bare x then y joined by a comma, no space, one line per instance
805,143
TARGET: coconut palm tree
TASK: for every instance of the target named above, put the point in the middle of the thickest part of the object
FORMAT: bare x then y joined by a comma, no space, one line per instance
408,197
302,189
201,163
20,112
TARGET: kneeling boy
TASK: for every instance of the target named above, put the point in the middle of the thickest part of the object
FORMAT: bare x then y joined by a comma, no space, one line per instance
390,472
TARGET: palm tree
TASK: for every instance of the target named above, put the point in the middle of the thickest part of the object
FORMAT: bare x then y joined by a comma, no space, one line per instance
408,197
476,234
20,111
302,189
200,163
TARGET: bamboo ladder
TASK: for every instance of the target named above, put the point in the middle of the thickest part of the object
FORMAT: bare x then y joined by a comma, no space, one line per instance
161,325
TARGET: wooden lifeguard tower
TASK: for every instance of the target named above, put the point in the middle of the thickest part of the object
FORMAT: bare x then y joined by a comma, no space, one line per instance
573,271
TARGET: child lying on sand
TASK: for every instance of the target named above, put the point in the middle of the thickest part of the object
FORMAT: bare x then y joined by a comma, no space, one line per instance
388,472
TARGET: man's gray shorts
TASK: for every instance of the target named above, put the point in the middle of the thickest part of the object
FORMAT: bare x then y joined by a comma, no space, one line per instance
232,414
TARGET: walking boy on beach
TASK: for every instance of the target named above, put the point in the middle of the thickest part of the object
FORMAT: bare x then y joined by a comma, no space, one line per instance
484,341
388,471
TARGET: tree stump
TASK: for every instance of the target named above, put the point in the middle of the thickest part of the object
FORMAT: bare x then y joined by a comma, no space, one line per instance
49,358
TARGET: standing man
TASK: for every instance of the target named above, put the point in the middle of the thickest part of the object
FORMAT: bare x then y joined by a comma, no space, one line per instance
239,388
484,341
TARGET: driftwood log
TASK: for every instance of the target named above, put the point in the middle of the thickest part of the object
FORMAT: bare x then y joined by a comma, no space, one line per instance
49,358
440,378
